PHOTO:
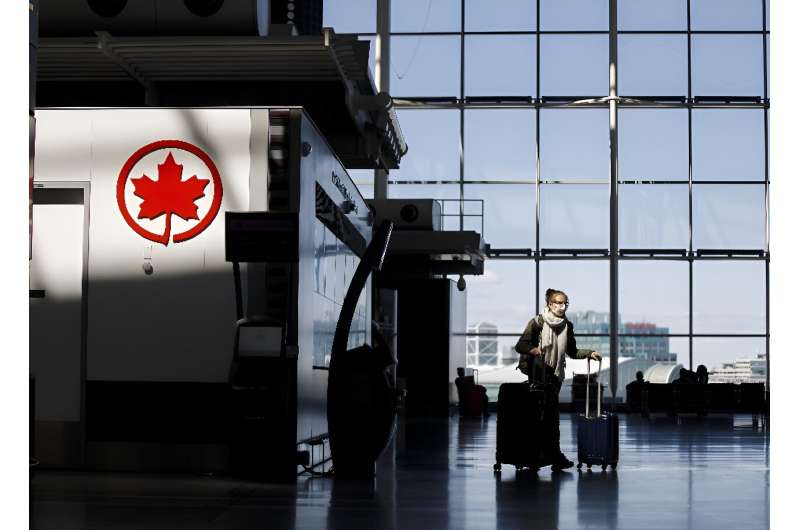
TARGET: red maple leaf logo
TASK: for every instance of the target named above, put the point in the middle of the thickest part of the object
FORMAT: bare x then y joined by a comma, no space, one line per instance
169,194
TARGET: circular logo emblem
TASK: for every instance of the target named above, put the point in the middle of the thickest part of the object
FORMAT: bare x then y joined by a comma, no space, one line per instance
172,188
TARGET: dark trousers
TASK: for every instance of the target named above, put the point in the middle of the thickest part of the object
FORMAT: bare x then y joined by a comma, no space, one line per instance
556,419
552,412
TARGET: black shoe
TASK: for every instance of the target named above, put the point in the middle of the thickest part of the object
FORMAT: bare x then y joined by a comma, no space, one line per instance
562,462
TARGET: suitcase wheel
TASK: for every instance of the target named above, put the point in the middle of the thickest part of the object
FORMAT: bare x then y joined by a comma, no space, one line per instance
497,468
589,467
604,467
614,466
580,464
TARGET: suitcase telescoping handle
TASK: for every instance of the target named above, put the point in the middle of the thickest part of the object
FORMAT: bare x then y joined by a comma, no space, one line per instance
588,376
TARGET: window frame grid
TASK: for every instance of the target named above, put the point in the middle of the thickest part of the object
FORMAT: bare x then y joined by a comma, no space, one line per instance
690,103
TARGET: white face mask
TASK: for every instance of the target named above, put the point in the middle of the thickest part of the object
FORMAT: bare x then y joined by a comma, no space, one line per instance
558,309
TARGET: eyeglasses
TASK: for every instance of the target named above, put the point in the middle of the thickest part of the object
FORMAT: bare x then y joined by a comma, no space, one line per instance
564,305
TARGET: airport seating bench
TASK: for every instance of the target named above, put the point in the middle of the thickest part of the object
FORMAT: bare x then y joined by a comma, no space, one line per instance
699,399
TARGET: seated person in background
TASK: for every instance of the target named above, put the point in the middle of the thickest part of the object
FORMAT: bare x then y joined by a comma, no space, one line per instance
686,377
639,381
702,374
470,394
460,388
634,391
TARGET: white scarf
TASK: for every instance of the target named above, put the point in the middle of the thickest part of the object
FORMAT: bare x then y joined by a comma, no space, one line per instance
553,341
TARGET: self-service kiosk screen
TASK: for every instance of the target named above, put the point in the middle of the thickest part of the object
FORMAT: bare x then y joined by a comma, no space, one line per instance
260,341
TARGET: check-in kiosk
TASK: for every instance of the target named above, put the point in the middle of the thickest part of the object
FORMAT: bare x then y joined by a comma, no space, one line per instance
263,377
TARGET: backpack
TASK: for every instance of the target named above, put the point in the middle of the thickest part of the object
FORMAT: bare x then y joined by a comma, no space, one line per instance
523,365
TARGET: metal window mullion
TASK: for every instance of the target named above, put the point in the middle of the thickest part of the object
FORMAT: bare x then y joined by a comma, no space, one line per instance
456,103
537,249
766,188
691,210
691,252
461,123
766,124
698,32
502,33
614,201
383,29
767,350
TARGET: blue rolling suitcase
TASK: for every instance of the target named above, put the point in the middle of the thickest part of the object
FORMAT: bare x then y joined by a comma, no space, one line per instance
598,436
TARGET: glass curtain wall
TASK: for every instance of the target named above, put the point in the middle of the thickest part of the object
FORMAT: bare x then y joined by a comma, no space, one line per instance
510,105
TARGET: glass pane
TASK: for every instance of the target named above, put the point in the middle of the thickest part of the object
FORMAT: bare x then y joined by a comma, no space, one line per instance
490,353
726,15
574,216
425,66
728,216
579,367
500,144
349,16
653,66
729,297
574,15
654,296
574,65
424,191
768,69
654,216
679,346
574,144
364,180
645,347
367,190
732,360
500,65
586,285
653,144
361,176
502,296
651,15
433,138
509,214
514,15
727,65
598,344
728,144
419,16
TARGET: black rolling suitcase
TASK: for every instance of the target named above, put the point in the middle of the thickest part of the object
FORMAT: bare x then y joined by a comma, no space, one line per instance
525,423
598,436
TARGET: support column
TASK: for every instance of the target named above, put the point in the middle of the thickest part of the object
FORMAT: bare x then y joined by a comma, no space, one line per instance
382,76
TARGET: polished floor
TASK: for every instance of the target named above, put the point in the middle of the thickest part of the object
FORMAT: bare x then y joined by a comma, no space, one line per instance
704,474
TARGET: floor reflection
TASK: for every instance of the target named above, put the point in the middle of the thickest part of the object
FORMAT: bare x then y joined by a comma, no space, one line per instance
598,498
528,499
438,475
